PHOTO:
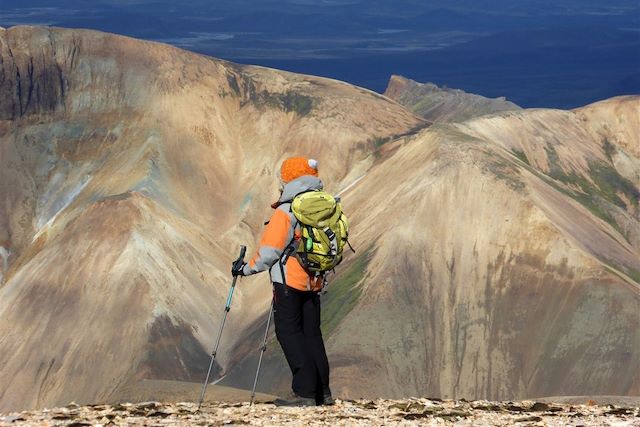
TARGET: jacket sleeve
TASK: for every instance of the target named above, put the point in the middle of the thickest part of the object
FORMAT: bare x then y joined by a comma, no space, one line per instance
275,237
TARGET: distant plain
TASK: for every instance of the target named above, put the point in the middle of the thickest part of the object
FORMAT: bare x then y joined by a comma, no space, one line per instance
537,53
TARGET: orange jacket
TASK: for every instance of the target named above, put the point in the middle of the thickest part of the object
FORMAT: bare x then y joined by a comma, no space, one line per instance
283,231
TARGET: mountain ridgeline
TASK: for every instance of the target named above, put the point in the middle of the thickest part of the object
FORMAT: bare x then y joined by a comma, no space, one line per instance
499,248
443,104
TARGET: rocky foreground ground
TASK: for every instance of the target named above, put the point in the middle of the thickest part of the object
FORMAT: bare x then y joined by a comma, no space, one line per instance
345,413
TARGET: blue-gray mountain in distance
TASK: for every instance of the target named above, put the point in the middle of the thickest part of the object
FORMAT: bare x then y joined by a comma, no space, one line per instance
561,53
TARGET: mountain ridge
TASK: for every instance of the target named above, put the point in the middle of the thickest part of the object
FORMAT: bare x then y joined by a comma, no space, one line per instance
437,104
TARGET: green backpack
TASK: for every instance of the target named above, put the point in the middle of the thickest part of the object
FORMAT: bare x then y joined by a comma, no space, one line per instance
324,228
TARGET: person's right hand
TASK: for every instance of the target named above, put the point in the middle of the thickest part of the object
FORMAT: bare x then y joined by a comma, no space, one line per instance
237,269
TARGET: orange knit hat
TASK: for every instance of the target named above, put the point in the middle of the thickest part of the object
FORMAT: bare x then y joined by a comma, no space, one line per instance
295,167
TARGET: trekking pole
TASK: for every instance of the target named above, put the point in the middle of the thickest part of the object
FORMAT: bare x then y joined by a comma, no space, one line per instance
264,348
236,265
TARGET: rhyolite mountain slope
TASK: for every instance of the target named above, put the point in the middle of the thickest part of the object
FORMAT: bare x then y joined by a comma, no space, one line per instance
438,104
500,257
506,274
130,174
497,257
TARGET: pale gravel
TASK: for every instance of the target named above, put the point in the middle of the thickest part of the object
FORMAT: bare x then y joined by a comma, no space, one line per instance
409,412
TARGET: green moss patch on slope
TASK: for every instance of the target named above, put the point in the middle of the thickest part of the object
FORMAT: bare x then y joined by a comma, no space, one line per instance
522,156
343,293
601,194
609,148
379,141
507,172
289,101
610,184
615,268
635,275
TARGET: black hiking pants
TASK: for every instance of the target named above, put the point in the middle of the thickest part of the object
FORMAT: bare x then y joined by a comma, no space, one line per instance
297,322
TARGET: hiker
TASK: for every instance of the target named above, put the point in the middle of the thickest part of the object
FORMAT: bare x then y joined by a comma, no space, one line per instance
296,290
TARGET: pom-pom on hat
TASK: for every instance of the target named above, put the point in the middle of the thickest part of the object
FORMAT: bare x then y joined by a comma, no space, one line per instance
295,167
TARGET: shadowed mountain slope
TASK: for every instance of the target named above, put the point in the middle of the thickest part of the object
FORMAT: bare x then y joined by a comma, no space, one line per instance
443,104
498,257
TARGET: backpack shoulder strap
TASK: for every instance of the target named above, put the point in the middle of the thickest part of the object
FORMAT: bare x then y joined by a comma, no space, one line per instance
289,247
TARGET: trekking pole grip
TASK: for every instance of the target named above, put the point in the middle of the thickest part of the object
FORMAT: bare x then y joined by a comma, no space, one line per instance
238,263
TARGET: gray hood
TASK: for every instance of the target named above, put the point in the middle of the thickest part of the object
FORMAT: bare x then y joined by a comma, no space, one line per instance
299,185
